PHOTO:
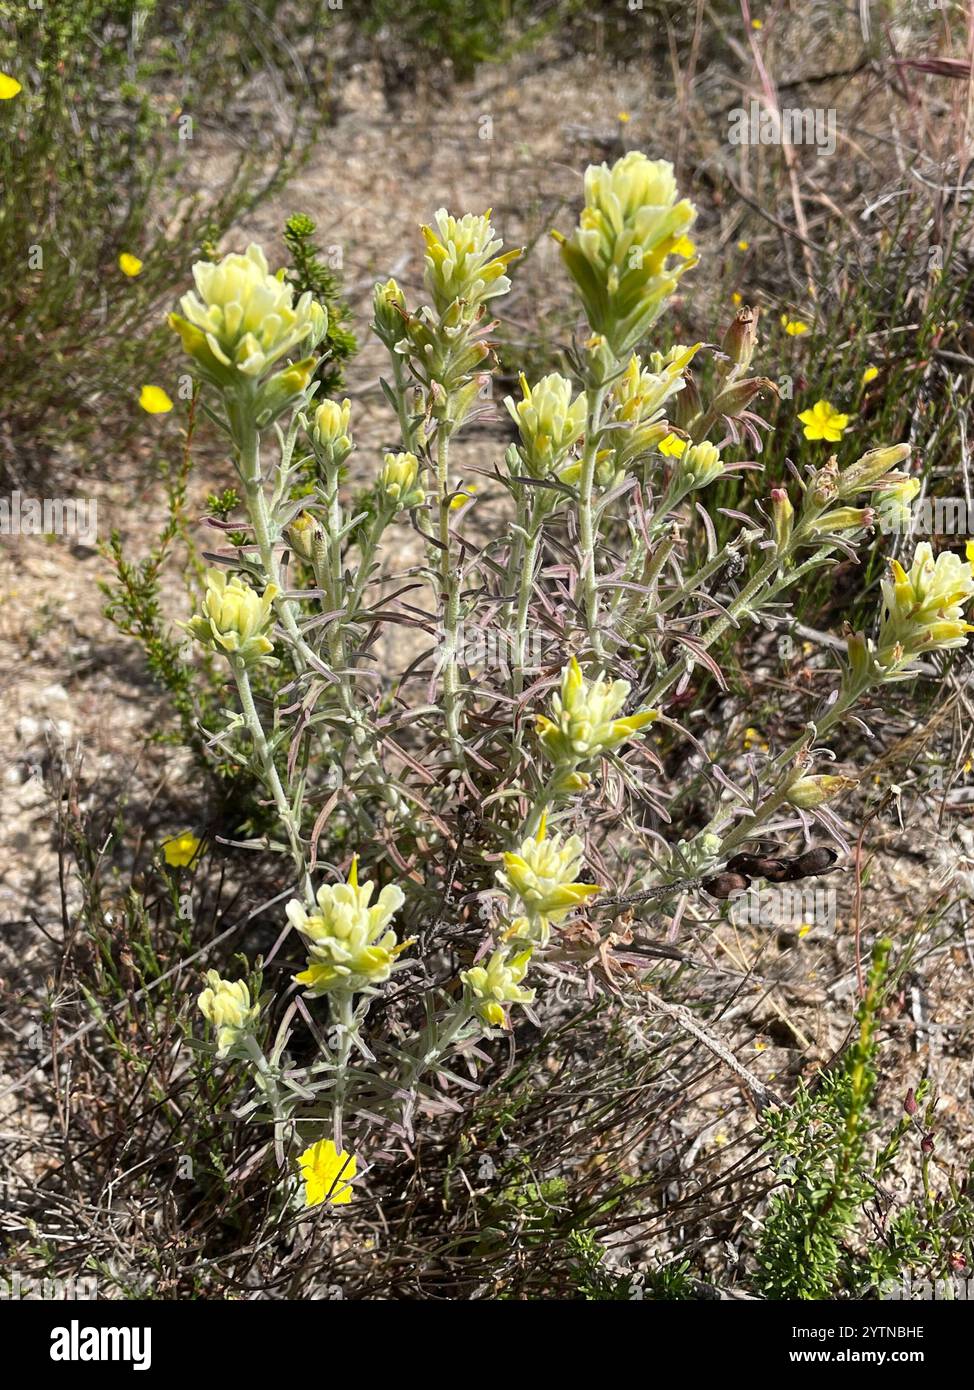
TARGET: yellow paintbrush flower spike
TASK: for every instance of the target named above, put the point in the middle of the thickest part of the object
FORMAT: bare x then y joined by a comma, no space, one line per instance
542,874
330,425
620,253
154,400
923,608
327,1174
498,983
461,260
235,619
242,319
226,1005
388,313
700,465
180,852
823,421
548,421
584,720
350,945
637,398
129,265
399,481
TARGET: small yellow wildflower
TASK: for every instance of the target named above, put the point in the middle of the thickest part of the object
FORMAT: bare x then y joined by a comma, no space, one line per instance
462,498
327,1174
129,265
823,421
672,446
743,245
9,87
804,930
180,851
752,737
737,298
623,118
793,327
870,374
757,23
154,400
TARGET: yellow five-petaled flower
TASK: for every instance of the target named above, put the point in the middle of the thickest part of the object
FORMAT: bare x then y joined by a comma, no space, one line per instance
823,421
327,1174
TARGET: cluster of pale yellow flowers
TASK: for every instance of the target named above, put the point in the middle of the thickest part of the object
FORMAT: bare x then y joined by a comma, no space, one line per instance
540,877
330,430
462,261
585,722
226,1005
497,983
923,609
638,399
351,945
541,880
240,323
630,247
400,484
549,423
235,619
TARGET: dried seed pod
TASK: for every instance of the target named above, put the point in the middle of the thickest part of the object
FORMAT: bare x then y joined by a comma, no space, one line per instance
725,885
758,866
813,861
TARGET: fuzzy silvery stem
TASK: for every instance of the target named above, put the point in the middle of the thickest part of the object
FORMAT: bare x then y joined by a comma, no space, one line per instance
267,1084
449,595
595,398
367,552
346,1027
433,1044
270,773
545,797
400,394
250,476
